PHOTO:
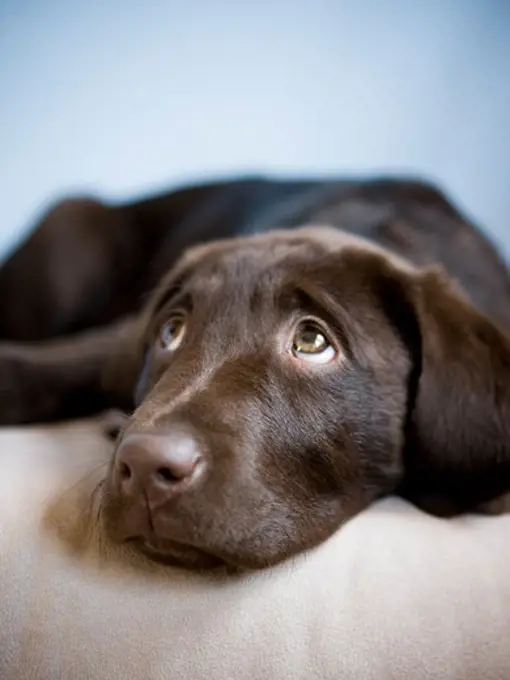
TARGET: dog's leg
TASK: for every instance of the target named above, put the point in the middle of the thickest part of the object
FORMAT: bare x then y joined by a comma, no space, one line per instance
60,378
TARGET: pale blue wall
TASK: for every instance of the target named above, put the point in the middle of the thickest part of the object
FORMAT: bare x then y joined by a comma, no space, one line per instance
125,96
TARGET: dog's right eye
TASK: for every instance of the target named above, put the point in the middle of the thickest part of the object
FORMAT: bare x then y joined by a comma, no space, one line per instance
312,344
172,332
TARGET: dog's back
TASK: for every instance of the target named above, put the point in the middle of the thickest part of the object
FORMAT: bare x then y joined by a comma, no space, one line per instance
410,218
90,262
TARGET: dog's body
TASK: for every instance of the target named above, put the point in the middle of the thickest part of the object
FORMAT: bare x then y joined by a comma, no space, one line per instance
242,451
88,263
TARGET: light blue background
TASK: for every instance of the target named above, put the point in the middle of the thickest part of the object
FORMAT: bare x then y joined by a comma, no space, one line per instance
123,97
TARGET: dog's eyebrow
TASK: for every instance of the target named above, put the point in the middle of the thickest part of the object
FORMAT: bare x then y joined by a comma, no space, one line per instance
307,296
166,295
313,300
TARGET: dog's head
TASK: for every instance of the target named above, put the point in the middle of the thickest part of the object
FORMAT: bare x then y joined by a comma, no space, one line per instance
287,380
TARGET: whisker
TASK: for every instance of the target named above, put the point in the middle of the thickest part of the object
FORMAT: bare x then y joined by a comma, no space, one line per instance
97,490
81,480
95,507
89,474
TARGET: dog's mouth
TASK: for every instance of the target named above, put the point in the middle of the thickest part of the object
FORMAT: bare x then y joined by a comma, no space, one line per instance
173,553
135,526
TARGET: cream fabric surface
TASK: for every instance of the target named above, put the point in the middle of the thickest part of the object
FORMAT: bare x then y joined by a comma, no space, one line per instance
396,594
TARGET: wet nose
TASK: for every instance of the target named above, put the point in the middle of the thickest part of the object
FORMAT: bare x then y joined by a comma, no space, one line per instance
157,464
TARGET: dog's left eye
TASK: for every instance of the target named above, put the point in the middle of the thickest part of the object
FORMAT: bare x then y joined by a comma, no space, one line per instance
172,332
311,344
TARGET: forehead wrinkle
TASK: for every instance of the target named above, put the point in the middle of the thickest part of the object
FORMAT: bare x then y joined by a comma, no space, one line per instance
273,246
243,254
240,321
230,282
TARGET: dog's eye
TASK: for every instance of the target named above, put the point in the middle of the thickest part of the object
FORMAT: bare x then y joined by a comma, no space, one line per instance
172,332
311,344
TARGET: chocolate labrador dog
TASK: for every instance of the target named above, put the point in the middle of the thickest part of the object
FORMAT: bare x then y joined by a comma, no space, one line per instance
291,351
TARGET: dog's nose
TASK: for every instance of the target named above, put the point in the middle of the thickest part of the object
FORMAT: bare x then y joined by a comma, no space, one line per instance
157,464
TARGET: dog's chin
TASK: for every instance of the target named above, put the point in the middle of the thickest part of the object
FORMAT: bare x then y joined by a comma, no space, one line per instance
175,554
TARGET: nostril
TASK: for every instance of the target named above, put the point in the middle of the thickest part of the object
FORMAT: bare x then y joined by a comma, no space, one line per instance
124,471
166,474
157,463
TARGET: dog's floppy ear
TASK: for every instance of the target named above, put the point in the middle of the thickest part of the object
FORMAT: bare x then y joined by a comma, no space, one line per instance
457,451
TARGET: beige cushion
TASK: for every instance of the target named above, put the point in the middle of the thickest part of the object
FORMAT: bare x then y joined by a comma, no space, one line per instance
396,594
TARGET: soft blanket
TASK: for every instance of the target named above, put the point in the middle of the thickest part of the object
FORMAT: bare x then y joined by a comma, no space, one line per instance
395,594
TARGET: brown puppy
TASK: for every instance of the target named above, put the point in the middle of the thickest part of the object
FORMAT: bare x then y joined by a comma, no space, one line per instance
289,379
284,380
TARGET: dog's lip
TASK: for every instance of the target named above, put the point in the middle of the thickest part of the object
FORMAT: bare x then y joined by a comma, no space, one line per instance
172,552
